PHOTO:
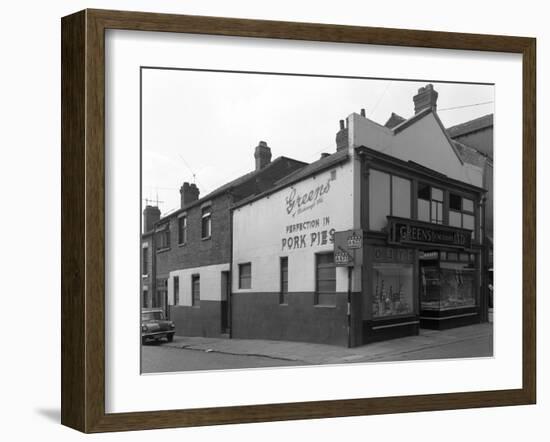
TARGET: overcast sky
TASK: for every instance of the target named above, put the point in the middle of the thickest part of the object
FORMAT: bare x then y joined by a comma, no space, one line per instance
208,123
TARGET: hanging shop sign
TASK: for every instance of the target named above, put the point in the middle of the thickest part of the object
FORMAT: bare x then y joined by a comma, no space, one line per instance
405,231
348,248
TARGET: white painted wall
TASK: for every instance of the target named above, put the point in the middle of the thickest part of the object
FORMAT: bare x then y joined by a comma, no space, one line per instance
210,279
260,234
422,142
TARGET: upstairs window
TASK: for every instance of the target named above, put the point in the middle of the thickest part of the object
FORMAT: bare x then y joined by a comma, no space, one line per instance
461,212
389,195
182,230
145,261
163,238
206,222
430,204
245,276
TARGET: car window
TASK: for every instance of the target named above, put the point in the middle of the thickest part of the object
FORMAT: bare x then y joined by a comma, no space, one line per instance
151,316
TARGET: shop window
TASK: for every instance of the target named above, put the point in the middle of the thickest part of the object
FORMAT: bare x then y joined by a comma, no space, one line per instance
448,286
206,222
430,204
325,279
245,276
389,195
392,290
284,281
195,290
176,290
145,261
182,230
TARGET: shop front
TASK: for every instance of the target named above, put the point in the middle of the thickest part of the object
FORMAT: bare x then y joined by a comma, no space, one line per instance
447,276
390,307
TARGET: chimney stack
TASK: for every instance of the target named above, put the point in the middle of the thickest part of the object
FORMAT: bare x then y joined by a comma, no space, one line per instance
363,113
189,193
262,154
324,155
426,98
151,214
342,137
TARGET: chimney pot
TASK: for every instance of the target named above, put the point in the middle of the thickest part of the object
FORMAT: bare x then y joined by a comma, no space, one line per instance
262,155
324,155
189,193
363,113
342,124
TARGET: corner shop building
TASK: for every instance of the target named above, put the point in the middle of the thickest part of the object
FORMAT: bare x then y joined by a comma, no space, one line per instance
401,193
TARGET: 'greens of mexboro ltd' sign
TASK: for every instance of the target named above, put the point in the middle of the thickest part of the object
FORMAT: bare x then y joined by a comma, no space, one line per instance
406,231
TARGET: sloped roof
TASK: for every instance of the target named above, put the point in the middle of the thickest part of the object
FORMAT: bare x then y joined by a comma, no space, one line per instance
470,154
244,178
394,120
471,126
231,185
310,169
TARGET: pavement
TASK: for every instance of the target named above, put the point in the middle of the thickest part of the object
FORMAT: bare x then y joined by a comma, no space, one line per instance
469,341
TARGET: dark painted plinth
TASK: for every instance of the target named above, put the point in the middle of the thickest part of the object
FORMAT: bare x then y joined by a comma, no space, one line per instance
204,320
444,320
261,316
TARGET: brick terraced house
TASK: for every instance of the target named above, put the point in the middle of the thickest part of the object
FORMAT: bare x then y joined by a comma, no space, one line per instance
186,255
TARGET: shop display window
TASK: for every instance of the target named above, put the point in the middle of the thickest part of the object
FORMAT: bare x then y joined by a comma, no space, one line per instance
392,289
447,286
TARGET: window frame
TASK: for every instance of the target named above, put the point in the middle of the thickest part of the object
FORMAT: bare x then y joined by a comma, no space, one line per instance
463,211
391,175
241,266
431,187
206,217
145,261
182,232
317,297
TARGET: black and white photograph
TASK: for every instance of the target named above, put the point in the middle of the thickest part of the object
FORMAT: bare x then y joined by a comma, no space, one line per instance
299,220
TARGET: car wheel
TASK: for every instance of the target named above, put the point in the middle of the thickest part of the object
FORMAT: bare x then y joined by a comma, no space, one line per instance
170,338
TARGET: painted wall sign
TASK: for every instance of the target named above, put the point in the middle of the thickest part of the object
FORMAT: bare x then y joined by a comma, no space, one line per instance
299,202
405,231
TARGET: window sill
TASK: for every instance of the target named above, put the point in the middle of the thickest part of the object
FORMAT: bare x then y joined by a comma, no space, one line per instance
324,306
182,244
206,238
165,249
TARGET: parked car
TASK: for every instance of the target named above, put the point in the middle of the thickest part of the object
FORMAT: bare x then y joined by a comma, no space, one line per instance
154,325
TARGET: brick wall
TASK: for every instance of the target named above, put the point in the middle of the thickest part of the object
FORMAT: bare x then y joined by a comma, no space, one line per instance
196,251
